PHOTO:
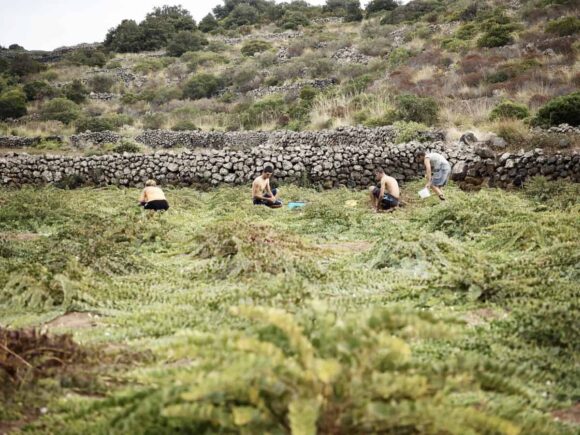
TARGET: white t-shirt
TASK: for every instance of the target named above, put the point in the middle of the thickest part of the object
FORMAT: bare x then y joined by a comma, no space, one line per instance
437,161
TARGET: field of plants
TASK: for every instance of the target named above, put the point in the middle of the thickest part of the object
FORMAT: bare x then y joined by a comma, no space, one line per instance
456,317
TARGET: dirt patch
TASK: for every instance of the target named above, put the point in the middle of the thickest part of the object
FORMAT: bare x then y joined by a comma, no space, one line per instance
74,320
570,415
360,246
483,316
19,237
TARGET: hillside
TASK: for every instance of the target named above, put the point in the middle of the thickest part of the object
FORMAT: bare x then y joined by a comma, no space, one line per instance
487,66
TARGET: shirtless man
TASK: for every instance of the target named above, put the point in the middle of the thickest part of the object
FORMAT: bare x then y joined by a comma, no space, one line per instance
261,192
152,197
386,195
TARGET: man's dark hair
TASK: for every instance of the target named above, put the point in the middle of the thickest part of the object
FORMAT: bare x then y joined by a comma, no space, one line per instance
379,171
420,153
268,170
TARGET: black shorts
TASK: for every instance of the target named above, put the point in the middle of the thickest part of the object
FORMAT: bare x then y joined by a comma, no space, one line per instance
158,204
388,201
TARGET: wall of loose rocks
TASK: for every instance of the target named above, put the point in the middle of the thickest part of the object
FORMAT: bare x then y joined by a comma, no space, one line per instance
329,166
341,136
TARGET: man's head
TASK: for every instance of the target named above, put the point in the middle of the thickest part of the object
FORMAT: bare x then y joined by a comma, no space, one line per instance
379,173
267,172
420,155
150,183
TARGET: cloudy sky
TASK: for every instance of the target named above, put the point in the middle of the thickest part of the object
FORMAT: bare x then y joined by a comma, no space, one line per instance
48,24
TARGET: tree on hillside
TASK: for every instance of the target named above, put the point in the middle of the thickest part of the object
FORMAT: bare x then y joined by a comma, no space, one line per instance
381,5
243,15
223,11
175,16
22,64
208,23
127,37
12,103
186,41
349,9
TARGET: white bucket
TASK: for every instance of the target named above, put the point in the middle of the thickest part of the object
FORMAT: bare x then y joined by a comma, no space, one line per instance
424,193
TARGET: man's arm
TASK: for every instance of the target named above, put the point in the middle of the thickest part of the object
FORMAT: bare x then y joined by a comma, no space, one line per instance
381,194
257,192
270,190
428,171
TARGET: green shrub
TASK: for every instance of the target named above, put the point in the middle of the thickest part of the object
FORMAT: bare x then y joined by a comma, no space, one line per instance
564,26
308,93
88,57
380,5
243,14
498,77
455,45
466,31
60,109
195,59
127,146
419,109
184,125
76,91
12,103
154,121
262,111
129,98
93,124
201,86
357,85
101,83
509,110
38,90
292,20
208,23
387,118
147,65
185,41
399,56
254,46
408,131
560,110
497,36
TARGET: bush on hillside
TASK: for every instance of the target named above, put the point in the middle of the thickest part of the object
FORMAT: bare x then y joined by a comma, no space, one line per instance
292,20
380,6
127,146
60,109
243,14
564,26
560,110
154,121
12,103
101,83
498,35
185,41
254,46
408,131
22,65
88,57
76,91
419,109
208,23
509,110
184,125
201,86
38,90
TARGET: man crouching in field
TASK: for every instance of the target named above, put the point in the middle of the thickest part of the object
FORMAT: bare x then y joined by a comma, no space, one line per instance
386,195
261,192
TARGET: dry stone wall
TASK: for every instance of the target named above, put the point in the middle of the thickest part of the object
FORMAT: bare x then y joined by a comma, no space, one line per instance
327,165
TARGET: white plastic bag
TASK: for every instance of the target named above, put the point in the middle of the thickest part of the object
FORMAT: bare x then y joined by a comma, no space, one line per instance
424,193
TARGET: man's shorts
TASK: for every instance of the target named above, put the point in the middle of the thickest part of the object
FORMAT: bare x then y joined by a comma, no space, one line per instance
388,201
441,176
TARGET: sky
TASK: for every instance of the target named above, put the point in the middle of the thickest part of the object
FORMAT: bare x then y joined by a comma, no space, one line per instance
48,24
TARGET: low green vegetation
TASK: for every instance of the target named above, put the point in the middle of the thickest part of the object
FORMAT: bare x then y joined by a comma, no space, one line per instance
222,317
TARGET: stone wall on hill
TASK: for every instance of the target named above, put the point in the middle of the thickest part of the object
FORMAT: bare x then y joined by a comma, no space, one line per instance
325,165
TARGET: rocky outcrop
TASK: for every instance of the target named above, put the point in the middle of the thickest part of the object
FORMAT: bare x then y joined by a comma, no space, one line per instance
350,55
18,141
292,89
338,165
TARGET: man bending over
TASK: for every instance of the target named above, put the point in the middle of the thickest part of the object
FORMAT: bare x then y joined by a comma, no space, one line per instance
386,195
261,192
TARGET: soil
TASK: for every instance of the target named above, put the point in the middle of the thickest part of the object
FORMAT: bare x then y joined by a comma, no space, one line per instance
483,316
360,246
74,320
20,237
570,415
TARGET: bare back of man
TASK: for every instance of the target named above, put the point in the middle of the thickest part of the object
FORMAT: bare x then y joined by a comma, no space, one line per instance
386,195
